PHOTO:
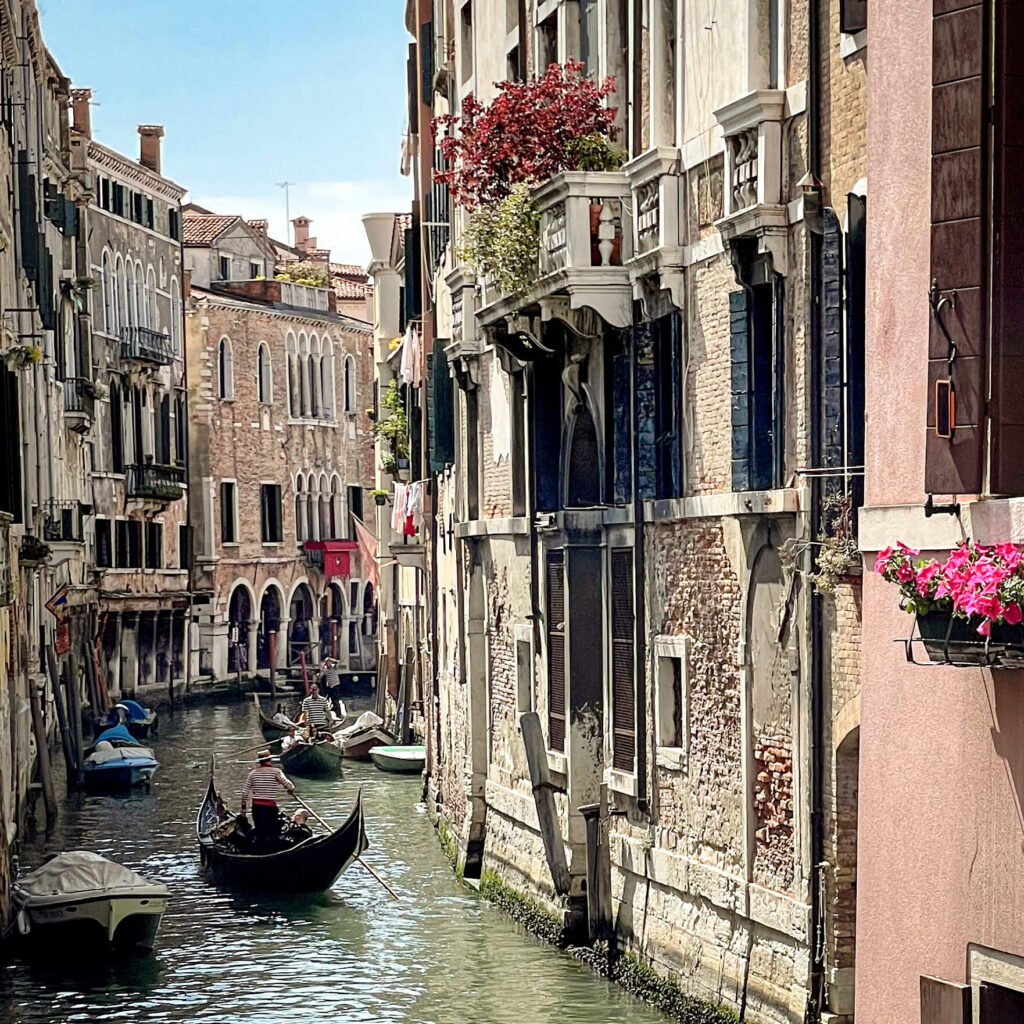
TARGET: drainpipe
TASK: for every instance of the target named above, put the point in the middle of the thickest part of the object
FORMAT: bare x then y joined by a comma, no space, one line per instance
816,996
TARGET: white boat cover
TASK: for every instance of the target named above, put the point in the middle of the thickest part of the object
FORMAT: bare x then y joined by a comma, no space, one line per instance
367,720
104,752
79,871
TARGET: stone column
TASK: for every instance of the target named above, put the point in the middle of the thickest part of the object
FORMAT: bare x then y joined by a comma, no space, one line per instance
254,628
281,652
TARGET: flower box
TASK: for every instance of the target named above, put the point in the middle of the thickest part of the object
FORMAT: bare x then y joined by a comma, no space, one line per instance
951,640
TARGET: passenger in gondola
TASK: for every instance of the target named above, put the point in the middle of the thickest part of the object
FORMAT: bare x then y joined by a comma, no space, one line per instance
288,740
262,788
281,718
297,831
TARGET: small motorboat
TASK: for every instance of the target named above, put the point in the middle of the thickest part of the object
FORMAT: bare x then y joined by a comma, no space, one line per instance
321,756
141,722
118,761
365,733
82,898
410,758
308,866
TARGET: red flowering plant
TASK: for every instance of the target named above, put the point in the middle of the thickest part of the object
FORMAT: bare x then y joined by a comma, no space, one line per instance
527,133
978,583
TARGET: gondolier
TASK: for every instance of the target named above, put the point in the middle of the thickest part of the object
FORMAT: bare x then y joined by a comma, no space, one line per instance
317,709
261,790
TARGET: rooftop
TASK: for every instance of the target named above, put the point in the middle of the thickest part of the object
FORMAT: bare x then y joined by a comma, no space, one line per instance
204,228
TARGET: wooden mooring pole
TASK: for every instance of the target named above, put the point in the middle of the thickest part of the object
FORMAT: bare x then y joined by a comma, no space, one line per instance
62,718
43,756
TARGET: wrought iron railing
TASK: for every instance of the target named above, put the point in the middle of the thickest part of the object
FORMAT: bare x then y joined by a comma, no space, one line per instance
154,481
146,345
79,399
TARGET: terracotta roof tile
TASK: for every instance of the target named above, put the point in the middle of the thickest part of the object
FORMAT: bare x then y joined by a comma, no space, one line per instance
346,289
203,229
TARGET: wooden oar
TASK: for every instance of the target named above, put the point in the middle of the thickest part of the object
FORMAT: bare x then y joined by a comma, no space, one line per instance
305,806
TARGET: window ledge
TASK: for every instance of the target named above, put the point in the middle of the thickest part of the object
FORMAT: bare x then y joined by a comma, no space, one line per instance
726,503
621,782
512,527
850,44
557,763
671,757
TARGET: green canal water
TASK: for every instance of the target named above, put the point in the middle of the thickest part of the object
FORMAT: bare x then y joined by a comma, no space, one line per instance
351,956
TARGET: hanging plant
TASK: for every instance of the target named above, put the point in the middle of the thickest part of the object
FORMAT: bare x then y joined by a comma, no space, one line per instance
19,356
391,427
503,240
838,552
529,132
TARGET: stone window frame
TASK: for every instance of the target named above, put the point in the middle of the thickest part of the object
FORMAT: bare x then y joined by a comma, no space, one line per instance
220,519
525,683
667,649
176,314
992,966
225,369
264,387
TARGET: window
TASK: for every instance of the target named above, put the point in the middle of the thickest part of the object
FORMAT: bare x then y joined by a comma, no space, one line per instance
117,198
263,374
162,425
175,315
149,218
228,513
623,661
107,281
300,508
10,444
184,546
545,388
128,547
671,696
154,545
327,380
173,224
667,406
555,627
589,36
756,334
350,384
466,42
270,513
524,671
225,370
853,16
137,206
116,429
104,546
547,43
180,431
225,268
255,270
103,196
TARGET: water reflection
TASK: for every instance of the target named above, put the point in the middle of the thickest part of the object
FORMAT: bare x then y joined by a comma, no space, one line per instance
353,955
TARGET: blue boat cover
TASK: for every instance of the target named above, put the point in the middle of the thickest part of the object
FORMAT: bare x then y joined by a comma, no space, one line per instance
119,734
136,712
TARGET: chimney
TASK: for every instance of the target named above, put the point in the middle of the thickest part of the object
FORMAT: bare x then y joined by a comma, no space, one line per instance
259,226
301,226
186,275
149,145
82,119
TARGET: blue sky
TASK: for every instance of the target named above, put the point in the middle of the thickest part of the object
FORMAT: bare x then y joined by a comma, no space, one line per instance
252,92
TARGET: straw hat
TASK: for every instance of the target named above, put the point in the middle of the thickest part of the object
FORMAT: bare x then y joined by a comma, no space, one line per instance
264,755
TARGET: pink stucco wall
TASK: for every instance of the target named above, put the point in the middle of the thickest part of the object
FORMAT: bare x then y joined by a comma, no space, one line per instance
941,844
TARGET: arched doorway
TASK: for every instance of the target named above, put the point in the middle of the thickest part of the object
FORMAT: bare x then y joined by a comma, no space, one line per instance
239,616
270,621
369,611
332,617
583,477
300,612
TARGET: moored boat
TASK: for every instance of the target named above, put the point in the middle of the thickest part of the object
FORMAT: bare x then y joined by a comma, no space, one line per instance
409,758
141,722
365,733
82,898
312,757
118,761
308,866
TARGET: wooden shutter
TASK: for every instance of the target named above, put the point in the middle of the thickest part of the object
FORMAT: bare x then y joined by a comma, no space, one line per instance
832,339
426,62
944,1002
623,661
621,416
10,444
853,15
1007,456
440,409
739,341
856,281
555,566
958,241
998,1005
645,398
545,389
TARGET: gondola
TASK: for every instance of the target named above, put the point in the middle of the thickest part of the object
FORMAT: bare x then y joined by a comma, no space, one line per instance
310,866
306,758
272,731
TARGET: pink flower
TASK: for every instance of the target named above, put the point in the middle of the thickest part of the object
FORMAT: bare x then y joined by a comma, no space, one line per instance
1012,614
882,560
904,573
985,629
907,551
925,575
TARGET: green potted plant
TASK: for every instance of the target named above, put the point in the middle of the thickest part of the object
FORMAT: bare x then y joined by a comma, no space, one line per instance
379,495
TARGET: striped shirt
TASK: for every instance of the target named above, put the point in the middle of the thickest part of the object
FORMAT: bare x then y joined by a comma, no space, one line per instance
263,785
317,710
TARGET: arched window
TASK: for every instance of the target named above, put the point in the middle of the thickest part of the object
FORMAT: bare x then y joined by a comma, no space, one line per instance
263,375
121,288
300,519
226,370
327,379
150,319
350,384
311,516
175,315
108,294
305,382
324,504
140,301
292,377
116,429
315,381
338,523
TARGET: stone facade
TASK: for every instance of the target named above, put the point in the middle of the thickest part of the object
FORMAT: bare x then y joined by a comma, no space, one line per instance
280,457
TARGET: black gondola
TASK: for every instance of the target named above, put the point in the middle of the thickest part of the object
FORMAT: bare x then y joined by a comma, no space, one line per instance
309,866
272,731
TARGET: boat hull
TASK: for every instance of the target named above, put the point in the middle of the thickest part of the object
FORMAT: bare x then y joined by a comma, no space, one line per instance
144,728
404,760
358,747
315,759
128,921
118,776
311,866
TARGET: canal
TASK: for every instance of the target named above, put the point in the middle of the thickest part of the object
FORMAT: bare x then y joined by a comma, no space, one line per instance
351,956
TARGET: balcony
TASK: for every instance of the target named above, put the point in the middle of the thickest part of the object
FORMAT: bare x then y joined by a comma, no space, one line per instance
583,252
152,482
332,557
144,345
657,197
281,294
79,404
752,202
62,522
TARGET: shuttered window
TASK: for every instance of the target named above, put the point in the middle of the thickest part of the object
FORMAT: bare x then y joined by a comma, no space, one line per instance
958,234
10,444
623,661
440,409
555,572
